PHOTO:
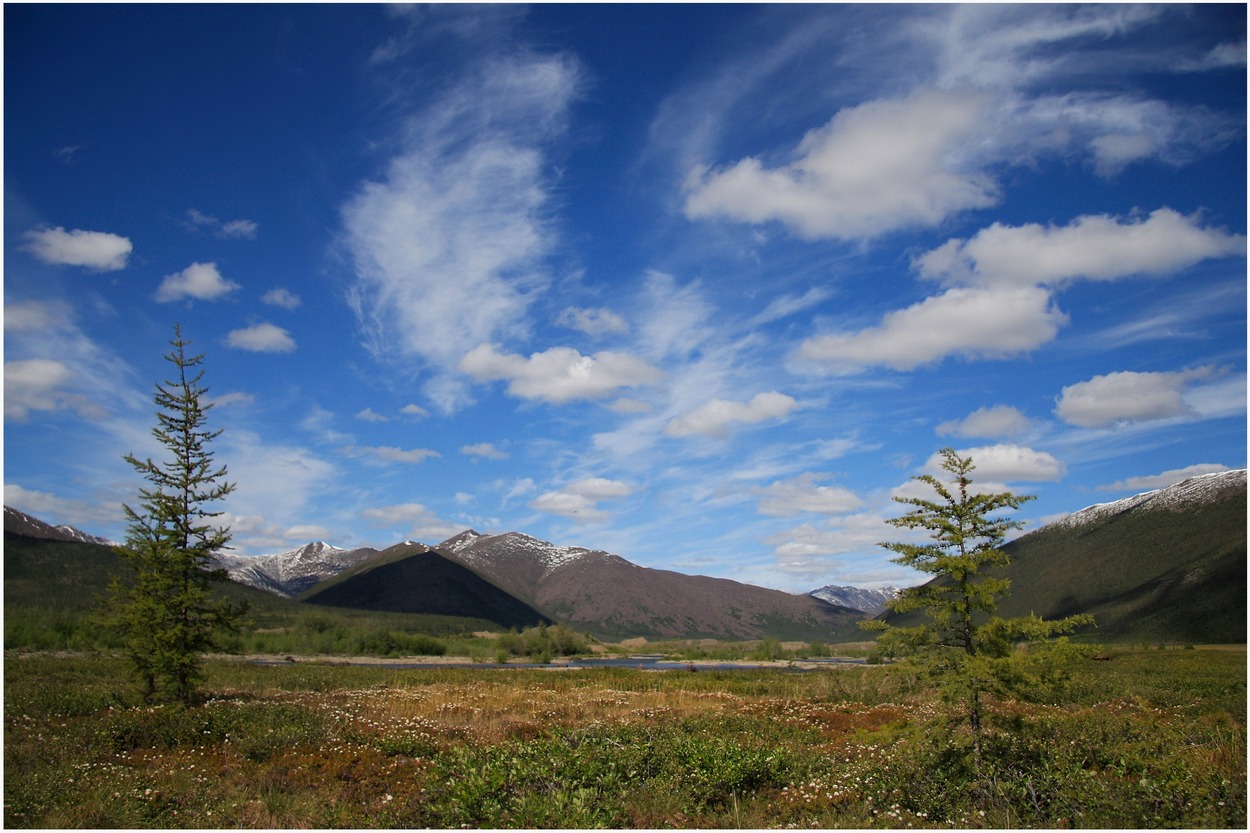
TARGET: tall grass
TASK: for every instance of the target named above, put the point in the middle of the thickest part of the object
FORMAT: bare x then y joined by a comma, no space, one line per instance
1149,739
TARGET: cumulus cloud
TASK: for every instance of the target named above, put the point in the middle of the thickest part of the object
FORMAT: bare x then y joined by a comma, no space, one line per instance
96,250
593,321
1006,463
1094,247
560,374
369,415
261,338
199,280
715,417
580,501
998,421
1128,396
874,168
414,412
421,523
971,322
1150,482
486,451
447,247
281,298
790,498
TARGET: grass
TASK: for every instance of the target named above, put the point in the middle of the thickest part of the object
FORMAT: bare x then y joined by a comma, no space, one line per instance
1150,739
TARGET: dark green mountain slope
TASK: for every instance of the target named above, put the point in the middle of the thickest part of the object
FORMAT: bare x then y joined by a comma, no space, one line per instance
415,579
1166,566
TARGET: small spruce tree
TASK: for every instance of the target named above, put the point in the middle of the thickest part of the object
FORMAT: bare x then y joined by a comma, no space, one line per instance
960,642
167,612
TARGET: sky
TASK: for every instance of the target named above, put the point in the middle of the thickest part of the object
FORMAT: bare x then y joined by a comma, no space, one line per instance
703,286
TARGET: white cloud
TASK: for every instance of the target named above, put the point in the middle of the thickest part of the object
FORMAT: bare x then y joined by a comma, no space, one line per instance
390,454
593,321
276,482
560,374
874,168
281,298
448,246
715,417
261,338
52,509
486,451
34,316
233,398
368,415
789,498
969,322
1095,247
97,250
998,421
1127,396
421,523
579,501
34,385
414,411
1006,463
783,306
199,280
1147,483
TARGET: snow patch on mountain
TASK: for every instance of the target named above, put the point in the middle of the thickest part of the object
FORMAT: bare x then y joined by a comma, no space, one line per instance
871,602
1204,488
476,549
294,571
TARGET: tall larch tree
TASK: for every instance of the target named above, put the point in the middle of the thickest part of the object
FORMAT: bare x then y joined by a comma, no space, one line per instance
959,641
167,611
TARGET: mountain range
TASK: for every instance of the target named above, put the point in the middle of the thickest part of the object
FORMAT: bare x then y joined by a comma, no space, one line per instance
1163,565
870,602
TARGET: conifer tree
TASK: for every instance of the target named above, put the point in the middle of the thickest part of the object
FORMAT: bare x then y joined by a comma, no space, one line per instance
960,641
167,612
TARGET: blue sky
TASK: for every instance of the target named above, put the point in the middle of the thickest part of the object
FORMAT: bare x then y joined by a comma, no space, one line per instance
703,286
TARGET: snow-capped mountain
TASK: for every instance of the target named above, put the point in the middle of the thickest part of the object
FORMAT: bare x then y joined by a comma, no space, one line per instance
294,571
1204,488
23,524
871,602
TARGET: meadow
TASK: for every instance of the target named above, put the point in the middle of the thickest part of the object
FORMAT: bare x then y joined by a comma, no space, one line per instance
1150,738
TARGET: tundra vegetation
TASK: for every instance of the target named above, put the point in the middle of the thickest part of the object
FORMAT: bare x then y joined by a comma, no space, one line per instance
1148,739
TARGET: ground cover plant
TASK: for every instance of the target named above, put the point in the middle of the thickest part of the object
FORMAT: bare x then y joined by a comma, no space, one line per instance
1151,738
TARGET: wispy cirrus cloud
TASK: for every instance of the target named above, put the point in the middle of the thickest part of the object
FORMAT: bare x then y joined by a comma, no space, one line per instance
448,245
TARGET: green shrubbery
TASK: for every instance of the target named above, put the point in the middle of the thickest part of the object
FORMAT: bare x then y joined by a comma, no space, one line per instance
543,643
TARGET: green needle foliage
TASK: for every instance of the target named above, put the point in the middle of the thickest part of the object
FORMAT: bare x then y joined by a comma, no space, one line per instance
961,643
167,612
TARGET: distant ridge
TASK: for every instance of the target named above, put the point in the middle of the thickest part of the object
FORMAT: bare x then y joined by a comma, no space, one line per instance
20,523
